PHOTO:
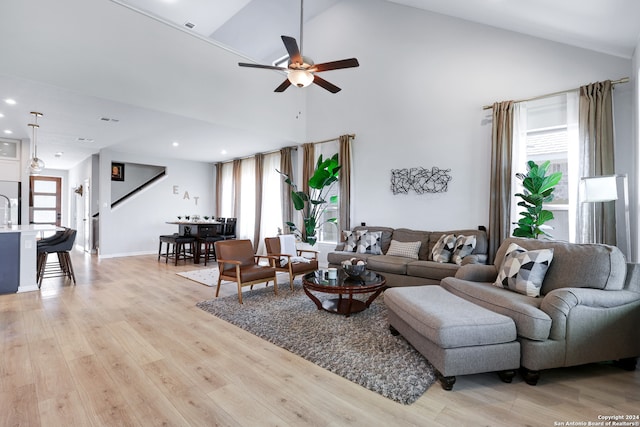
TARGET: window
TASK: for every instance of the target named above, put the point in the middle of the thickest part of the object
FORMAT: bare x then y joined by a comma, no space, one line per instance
247,214
546,129
271,218
226,203
329,232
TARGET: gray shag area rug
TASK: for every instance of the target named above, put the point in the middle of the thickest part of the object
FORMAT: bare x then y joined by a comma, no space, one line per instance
359,348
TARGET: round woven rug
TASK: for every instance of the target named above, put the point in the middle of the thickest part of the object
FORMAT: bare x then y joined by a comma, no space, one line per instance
360,348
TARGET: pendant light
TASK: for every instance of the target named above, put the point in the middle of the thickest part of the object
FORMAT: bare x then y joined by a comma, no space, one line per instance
36,165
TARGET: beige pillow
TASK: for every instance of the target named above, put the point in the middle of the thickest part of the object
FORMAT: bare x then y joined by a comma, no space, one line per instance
404,249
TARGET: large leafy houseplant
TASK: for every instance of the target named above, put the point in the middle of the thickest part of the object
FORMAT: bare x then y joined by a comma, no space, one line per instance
538,189
313,204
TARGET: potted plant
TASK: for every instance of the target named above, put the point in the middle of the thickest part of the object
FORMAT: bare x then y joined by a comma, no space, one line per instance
313,204
538,189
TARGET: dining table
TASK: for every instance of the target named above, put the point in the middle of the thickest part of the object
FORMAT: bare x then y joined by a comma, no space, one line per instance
195,228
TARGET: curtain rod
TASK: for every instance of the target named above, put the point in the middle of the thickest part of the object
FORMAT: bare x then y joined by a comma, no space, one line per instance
613,82
351,135
293,147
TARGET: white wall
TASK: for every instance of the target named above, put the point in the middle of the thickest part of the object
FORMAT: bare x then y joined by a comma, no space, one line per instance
417,97
133,227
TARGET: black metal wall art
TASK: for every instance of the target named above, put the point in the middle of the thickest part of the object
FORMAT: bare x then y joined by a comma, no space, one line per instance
420,180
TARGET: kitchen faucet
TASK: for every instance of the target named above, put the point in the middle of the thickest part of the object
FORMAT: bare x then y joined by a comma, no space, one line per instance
8,209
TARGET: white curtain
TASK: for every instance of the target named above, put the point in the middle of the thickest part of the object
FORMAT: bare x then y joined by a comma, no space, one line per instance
574,163
247,212
271,219
519,159
226,198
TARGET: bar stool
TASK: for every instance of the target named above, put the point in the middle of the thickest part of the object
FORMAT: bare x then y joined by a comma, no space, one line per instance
61,245
176,247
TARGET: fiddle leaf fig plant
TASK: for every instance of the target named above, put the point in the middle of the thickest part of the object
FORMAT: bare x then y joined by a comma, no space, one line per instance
313,204
538,189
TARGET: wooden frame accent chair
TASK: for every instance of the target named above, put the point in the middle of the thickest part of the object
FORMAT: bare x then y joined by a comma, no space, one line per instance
237,263
294,268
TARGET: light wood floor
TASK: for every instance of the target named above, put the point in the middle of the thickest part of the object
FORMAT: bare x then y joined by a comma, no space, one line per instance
127,346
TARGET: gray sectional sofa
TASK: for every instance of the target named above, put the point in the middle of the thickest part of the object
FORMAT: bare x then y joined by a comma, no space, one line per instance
400,271
588,310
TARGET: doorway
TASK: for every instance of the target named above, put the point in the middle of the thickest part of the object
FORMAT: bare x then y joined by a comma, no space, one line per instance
86,217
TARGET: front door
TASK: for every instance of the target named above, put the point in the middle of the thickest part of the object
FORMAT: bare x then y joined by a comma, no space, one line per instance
45,205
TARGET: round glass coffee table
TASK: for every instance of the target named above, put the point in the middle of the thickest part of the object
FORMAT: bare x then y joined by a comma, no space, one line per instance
345,287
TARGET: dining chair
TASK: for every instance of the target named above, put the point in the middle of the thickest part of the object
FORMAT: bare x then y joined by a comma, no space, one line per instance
230,228
207,236
237,263
286,258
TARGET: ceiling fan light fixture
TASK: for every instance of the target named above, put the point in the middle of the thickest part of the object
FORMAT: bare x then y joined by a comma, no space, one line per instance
300,78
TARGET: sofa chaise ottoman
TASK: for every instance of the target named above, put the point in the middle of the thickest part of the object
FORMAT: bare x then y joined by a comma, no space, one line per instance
456,336
587,310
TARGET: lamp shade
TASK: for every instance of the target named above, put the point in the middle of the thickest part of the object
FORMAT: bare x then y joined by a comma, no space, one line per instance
599,189
300,78
36,166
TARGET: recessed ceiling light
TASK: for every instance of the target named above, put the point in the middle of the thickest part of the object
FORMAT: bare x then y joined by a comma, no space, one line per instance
81,139
175,143
8,132
59,154
10,101
1,115
223,152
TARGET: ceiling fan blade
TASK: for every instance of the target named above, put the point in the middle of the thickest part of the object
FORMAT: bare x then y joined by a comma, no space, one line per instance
292,48
267,67
325,84
336,65
285,84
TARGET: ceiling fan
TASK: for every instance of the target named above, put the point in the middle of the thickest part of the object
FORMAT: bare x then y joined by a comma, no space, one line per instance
301,71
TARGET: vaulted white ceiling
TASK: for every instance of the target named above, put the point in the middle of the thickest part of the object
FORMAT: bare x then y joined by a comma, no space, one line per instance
81,61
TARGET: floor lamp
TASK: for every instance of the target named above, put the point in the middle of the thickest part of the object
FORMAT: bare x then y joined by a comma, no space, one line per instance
599,189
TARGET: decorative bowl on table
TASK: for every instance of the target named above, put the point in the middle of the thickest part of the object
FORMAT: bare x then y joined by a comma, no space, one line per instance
354,270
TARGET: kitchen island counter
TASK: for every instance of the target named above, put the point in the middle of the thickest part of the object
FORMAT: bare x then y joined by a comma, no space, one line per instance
18,255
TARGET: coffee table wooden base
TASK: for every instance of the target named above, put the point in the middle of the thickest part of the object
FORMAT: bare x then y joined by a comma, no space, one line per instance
345,303
343,306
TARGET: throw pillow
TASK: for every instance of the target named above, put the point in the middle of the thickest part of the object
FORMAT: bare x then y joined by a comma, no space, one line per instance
443,248
464,246
404,249
350,241
369,242
523,271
